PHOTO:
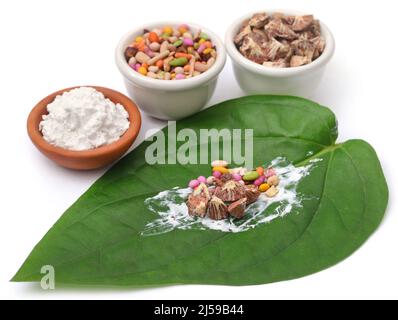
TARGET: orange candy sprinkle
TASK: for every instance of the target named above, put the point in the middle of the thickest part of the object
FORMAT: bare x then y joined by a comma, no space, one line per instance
260,171
153,37
159,64
208,44
141,45
183,55
183,28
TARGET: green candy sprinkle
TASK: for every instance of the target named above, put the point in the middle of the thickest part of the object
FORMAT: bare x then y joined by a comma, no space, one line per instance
204,36
178,62
250,176
178,43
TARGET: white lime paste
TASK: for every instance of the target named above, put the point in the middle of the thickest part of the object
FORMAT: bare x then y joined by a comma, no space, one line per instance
173,212
83,119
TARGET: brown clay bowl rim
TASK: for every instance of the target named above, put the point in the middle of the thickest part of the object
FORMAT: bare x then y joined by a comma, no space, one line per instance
125,140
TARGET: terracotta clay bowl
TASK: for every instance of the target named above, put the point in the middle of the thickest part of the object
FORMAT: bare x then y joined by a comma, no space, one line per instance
90,159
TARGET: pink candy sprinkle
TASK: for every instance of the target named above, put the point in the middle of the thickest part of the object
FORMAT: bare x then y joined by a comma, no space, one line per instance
194,183
217,174
202,179
201,48
137,66
237,177
180,76
259,181
269,173
188,42
150,53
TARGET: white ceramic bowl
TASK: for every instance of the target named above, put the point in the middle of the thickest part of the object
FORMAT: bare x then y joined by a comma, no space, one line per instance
254,78
164,99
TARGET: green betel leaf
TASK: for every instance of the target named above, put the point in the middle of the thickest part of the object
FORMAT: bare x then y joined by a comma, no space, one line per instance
98,240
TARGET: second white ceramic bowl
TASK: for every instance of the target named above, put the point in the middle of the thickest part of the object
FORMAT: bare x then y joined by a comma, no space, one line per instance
254,78
165,99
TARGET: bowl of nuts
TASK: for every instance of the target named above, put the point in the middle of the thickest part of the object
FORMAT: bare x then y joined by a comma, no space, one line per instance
279,52
170,68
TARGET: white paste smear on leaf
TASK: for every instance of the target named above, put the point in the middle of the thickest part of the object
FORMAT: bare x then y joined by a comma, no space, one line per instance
173,214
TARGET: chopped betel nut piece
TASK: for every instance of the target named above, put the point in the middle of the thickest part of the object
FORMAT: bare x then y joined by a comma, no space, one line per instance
198,201
277,64
252,193
228,191
217,209
298,61
280,41
276,49
277,28
258,20
237,208
243,32
226,177
252,48
301,23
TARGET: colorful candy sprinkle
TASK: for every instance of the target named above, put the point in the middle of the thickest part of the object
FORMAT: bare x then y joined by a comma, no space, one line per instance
169,48
193,184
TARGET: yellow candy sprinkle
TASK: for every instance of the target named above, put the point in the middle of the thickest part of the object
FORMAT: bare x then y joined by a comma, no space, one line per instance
143,71
201,41
139,39
207,51
168,30
264,187
221,169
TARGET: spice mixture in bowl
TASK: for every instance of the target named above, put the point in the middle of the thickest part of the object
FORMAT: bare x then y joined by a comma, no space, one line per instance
279,52
171,53
170,68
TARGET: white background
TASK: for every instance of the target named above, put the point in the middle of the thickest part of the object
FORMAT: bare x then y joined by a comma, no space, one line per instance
49,45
